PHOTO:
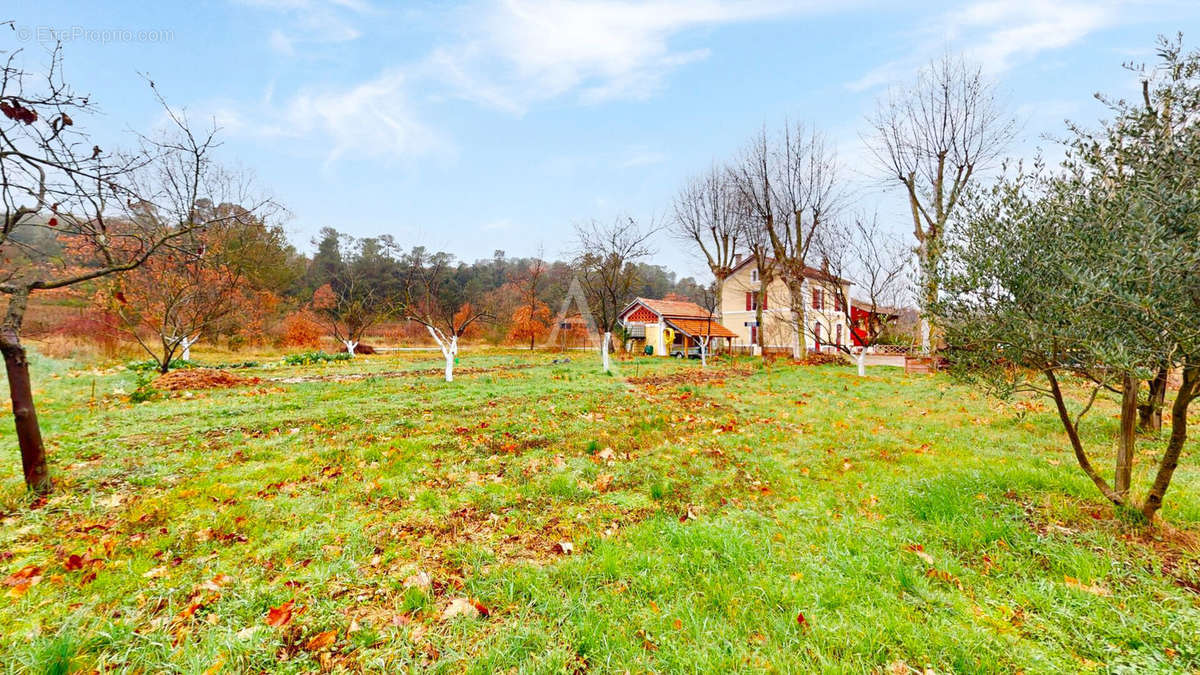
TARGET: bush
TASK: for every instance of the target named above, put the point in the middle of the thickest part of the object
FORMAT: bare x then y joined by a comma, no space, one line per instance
312,358
300,329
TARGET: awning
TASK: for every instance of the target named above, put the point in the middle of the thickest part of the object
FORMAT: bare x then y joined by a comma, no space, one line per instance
701,328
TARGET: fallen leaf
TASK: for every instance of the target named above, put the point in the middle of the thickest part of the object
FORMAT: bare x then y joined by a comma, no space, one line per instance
321,640
564,547
919,551
603,482
460,607
606,455
281,615
1094,589
73,562
155,573
420,580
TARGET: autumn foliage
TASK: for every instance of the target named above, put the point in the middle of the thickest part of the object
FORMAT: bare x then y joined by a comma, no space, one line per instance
530,323
301,329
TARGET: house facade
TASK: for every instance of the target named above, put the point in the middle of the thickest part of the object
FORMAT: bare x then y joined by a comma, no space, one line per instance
671,328
825,321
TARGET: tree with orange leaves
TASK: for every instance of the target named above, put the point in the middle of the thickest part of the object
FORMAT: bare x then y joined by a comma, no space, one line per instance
168,303
530,322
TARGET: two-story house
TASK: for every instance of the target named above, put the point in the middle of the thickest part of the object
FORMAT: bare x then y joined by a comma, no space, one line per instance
823,325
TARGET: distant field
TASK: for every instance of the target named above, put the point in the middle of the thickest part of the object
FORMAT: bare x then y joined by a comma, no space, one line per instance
550,518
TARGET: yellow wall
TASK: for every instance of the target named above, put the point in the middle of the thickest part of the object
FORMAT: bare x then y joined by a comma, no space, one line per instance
779,326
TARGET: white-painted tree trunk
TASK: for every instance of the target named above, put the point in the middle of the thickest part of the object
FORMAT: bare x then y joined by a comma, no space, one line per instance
925,330
351,345
704,352
449,349
187,343
604,350
451,354
862,361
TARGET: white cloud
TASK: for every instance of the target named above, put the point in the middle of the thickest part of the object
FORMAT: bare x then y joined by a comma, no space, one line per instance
312,22
374,119
999,33
514,53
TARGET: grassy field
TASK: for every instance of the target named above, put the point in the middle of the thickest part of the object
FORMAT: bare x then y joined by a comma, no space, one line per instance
537,517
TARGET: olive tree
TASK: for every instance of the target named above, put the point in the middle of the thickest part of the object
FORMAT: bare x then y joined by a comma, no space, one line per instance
1084,281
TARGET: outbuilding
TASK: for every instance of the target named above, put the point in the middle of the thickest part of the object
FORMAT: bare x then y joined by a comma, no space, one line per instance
672,328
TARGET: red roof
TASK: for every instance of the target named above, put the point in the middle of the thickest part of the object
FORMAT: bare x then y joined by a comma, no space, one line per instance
702,327
674,308
809,271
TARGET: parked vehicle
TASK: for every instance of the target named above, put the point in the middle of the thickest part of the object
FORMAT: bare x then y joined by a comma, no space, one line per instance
679,352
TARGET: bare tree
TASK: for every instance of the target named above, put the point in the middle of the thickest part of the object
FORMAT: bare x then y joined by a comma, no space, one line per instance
790,185
605,257
932,138
754,237
707,215
876,264
72,213
435,299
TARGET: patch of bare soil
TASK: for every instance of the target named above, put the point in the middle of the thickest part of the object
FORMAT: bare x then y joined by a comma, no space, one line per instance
201,378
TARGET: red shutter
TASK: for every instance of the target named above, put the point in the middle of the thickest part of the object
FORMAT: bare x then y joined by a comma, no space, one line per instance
749,296
764,300
816,299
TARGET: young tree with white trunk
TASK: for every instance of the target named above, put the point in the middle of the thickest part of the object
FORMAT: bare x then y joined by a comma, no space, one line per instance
363,290
439,302
933,138
604,258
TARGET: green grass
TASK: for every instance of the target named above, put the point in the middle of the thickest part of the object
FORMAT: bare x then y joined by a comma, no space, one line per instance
912,522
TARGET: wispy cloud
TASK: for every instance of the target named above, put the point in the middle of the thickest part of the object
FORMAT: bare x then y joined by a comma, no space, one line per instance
373,119
998,34
312,21
511,54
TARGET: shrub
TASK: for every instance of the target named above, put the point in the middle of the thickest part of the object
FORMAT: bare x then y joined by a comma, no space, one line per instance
300,329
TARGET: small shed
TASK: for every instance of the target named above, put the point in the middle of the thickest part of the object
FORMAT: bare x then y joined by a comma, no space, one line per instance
672,328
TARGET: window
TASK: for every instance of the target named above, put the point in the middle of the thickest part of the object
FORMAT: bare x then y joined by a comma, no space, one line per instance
838,340
754,335
754,276
818,298
837,302
752,301
817,334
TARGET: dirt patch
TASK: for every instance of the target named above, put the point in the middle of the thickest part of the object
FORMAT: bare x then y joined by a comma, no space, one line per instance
201,378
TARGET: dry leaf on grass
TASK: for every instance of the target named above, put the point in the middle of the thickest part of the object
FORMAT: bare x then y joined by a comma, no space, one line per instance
281,615
420,580
459,607
321,640
1094,589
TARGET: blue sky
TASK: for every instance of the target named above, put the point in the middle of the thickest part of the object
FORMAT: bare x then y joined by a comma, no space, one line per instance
498,124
